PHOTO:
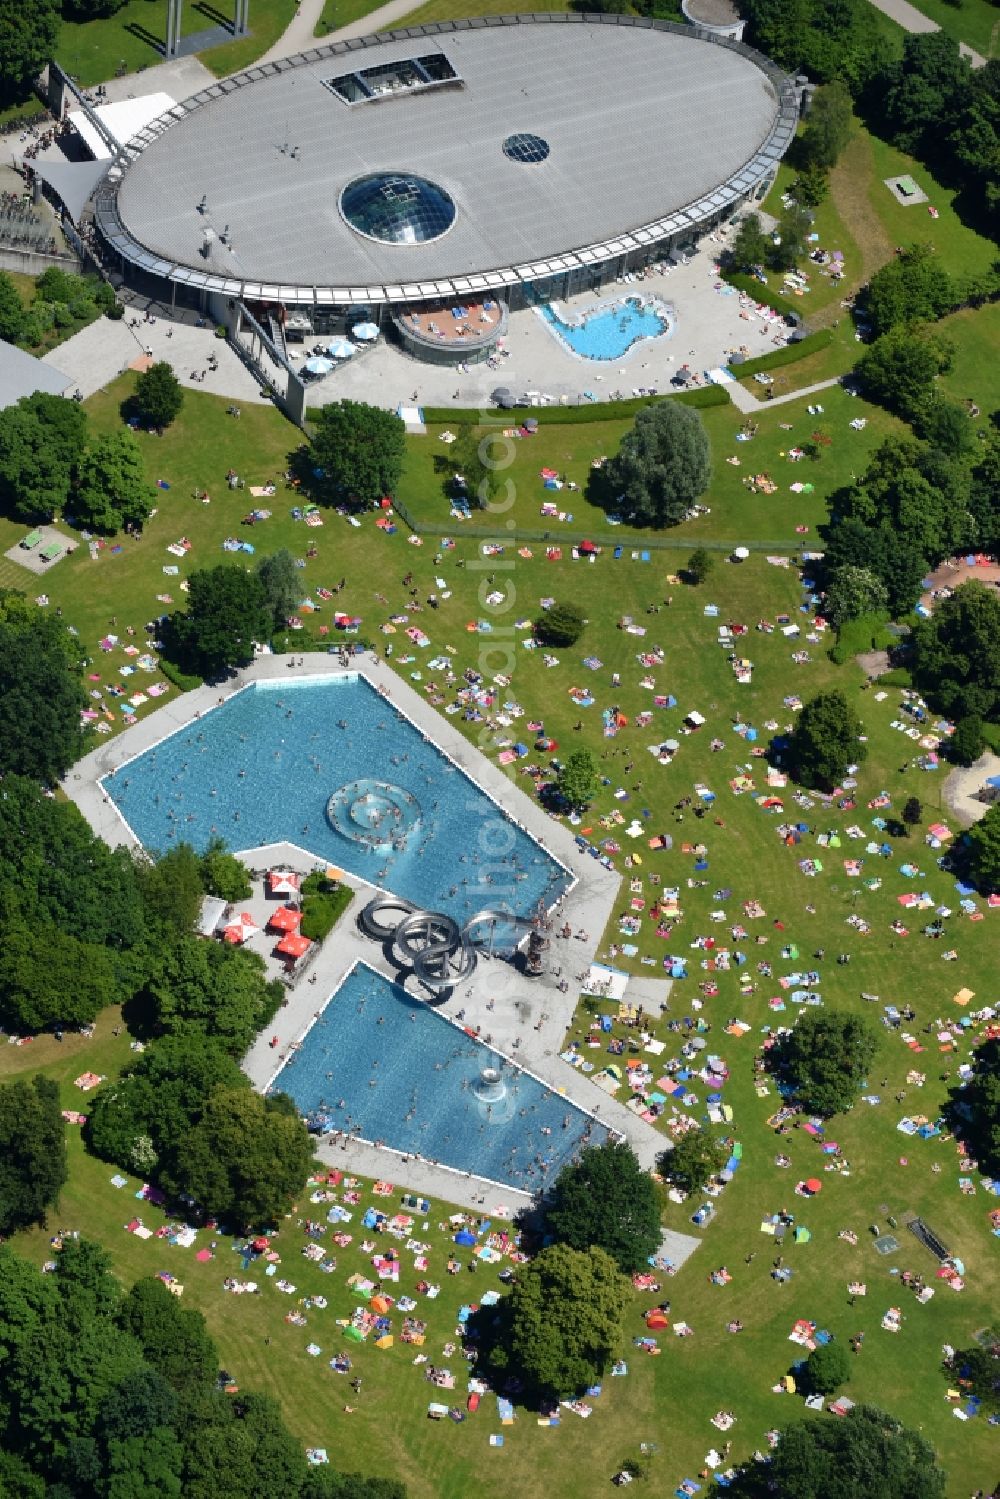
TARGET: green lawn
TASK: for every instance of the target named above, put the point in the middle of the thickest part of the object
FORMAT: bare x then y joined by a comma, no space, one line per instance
974,22
976,336
337,13
92,51
456,10
668,1400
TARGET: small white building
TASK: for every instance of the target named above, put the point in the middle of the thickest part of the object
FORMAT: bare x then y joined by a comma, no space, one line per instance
715,18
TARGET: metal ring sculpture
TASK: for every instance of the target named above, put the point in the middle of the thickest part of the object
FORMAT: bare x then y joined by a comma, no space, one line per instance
439,951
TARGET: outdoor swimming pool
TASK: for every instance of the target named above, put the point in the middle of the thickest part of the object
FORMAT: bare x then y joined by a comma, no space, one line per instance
610,329
331,766
391,1069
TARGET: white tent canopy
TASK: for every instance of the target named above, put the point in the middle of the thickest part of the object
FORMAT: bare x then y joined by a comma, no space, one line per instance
123,119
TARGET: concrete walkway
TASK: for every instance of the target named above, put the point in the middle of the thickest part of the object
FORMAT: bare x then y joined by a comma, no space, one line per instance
744,401
299,36
914,21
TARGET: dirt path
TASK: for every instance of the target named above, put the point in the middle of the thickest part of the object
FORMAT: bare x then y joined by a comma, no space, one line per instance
951,574
850,185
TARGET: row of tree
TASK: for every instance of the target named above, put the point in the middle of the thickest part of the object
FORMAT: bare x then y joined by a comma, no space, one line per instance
114,1395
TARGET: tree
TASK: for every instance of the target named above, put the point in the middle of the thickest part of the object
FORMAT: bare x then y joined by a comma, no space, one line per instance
968,741
866,1455
28,36
912,811
984,850
223,874
359,449
213,990
41,693
811,186
923,93
913,287
661,467
90,10
38,454
978,1371
282,585
699,565
172,888
174,1339
956,653
827,1368
246,1158
790,238
473,459
159,396
825,741
899,369
576,781
564,1319
227,616
11,306
561,624
694,1160
853,592
945,424
749,249
828,126
48,977
826,1058
605,1199
111,491
33,1167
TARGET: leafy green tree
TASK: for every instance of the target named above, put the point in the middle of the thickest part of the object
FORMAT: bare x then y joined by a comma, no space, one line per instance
564,1319
827,1368
972,146
812,185
694,1160
48,977
36,464
174,1339
750,247
33,1167
11,307
968,741
282,584
112,492
326,1483
172,888
605,1199
978,1369
866,1455
28,36
984,850
223,874
898,370
913,287
912,811
90,10
360,450
825,741
159,396
790,240
245,1159
41,693
474,459
227,615
661,467
826,1059
853,592
240,1448
924,92
699,565
956,653
560,625
828,127
827,39
946,426
577,781
213,990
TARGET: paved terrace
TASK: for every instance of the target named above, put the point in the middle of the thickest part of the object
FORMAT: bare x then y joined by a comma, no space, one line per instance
505,1004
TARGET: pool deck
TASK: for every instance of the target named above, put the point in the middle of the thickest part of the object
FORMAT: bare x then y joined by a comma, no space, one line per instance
525,1018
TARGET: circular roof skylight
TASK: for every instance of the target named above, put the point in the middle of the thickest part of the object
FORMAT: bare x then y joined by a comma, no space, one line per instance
529,149
397,208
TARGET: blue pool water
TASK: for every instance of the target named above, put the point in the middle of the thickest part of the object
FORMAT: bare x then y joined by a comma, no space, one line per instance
331,766
608,332
391,1069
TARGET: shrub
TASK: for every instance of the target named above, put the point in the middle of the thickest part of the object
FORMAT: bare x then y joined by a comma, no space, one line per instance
762,293
561,625
968,741
322,909
827,1368
790,354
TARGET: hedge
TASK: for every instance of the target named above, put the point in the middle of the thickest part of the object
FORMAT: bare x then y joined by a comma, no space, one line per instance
322,911
186,681
762,293
789,354
597,411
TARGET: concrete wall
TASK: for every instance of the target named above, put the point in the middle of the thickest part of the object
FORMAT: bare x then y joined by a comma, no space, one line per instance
33,263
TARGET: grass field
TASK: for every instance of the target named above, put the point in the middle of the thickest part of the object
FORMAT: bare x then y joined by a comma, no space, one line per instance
93,51
338,13
974,22
667,1400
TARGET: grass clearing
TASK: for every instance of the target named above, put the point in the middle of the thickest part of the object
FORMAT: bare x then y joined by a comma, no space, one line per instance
133,39
337,13
457,10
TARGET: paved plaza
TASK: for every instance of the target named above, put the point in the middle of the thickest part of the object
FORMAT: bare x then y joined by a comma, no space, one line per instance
525,1018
